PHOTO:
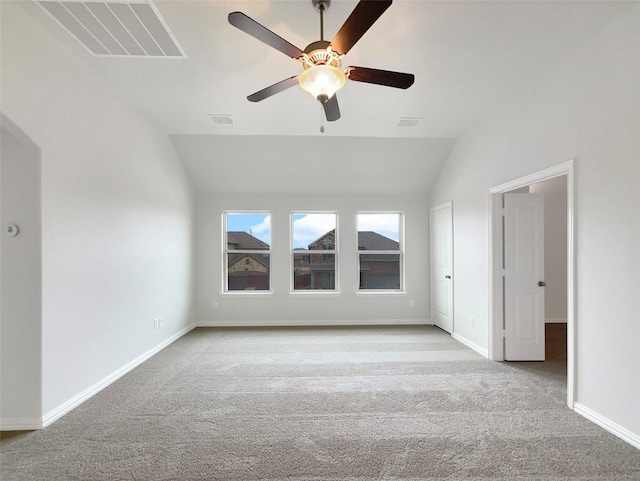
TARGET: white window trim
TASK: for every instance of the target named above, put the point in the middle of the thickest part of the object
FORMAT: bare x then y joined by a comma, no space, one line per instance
380,293
393,292
292,252
225,259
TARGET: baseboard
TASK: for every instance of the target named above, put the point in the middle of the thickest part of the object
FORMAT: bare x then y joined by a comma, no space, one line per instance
20,424
317,323
480,350
555,320
75,401
603,422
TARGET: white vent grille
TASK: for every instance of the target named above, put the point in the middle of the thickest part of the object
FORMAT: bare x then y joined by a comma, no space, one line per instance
116,29
408,122
221,119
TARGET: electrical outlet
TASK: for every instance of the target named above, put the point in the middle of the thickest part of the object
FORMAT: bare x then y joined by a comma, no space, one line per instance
411,303
472,321
215,304
155,323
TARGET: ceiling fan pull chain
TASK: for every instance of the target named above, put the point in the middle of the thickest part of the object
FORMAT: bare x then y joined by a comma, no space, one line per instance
321,119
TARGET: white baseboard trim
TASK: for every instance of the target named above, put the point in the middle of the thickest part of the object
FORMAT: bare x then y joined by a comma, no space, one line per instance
20,424
480,350
603,422
318,323
555,320
75,401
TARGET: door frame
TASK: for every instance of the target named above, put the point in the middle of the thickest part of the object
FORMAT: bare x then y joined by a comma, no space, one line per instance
445,205
496,297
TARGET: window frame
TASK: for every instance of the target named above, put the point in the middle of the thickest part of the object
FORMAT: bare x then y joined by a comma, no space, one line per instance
400,252
226,252
309,253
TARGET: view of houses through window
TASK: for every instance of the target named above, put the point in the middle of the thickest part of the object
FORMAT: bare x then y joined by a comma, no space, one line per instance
313,232
247,252
314,251
379,252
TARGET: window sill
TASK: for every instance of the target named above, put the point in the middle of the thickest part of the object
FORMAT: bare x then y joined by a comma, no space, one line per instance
313,293
372,292
246,293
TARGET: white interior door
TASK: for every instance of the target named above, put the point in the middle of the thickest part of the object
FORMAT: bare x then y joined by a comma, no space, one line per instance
442,266
524,277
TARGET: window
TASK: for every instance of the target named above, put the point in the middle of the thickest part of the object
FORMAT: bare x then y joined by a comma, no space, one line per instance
328,247
380,259
247,251
310,233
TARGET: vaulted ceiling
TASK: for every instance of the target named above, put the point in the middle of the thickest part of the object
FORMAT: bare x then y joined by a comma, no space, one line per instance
469,59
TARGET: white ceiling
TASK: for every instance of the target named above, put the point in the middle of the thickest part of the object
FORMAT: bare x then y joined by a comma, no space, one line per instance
469,59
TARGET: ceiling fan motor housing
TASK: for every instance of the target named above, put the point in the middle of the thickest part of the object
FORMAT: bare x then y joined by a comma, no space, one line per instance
320,53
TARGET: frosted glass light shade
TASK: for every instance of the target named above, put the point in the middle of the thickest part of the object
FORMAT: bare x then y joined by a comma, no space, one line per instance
322,81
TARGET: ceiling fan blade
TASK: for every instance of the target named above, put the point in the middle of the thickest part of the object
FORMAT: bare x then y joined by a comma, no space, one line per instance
253,28
361,19
273,89
381,77
331,109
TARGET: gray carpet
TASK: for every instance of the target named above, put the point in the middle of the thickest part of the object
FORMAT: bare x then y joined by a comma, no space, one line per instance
392,403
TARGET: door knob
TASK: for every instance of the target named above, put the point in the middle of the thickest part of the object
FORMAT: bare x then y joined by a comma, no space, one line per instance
447,277
541,283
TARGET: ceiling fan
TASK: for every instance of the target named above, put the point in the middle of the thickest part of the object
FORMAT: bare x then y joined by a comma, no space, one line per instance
321,60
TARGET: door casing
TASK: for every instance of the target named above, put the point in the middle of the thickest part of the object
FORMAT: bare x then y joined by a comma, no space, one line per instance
496,298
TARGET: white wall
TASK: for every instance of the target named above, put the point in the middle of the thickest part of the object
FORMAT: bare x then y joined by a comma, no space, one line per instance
555,246
21,274
587,109
283,308
117,215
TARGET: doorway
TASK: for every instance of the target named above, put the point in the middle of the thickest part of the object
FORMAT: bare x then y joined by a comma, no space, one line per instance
20,280
496,272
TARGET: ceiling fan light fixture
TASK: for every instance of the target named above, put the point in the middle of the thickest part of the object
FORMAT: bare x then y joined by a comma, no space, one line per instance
322,59
322,81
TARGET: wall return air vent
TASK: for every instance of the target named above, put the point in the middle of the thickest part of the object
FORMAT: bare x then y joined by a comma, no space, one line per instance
116,29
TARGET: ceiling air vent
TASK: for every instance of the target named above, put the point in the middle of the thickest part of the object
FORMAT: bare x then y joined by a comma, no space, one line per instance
408,122
116,29
221,119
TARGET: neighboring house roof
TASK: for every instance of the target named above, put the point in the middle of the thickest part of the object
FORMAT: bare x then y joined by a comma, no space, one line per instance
243,240
367,241
322,237
372,241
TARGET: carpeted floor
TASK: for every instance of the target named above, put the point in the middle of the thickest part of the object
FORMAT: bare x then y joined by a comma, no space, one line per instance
381,403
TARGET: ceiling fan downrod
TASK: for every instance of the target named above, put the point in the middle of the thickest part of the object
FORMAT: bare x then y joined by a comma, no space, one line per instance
321,6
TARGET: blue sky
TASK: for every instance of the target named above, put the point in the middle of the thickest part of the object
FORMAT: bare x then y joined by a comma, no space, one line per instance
258,225
309,227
